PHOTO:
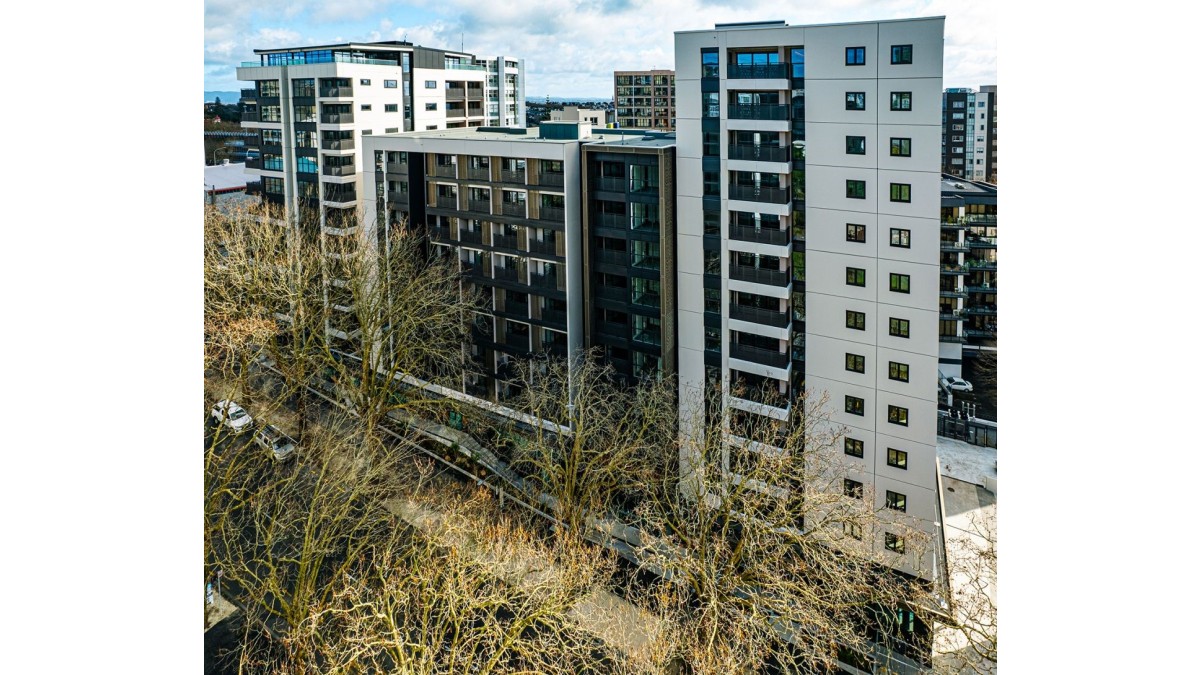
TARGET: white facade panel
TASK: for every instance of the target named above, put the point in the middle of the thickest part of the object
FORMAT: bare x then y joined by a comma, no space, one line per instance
825,273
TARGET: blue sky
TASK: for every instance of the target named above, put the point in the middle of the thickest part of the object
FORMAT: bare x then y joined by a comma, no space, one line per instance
570,47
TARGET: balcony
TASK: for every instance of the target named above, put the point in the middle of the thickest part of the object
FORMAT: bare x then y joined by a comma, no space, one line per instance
397,197
554,315
337,144
954,246
610,329
455,93
455,112
650,336
646,262
470,236
507,176
952,293
439,233
548,246
612,293
506,241
766,317
612,257
550,179
982,289
759,153
611,184
758,111
761,71
445,170
341,196
761,235
980,310
759,193
516,340
397,167
473,270
339,171
505,273
765,357
513,209
952,315
981,265
480,205
979,332
447,201
337,92
953,269
954,339
519,309
337,118
647,299
249,94
540,280
479,173
552,213
758,275
253,163
645,225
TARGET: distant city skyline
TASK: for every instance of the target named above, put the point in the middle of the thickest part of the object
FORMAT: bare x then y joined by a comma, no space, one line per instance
571,48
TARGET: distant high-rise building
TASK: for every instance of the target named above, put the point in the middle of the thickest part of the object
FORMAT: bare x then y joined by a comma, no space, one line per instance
969,133
645,99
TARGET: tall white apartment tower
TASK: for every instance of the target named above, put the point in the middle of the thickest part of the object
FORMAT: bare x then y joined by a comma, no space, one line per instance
808,243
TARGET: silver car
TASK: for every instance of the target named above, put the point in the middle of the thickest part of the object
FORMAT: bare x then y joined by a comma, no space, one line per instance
271,438
232,415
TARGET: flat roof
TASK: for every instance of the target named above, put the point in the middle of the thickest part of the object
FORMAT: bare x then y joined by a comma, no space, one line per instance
223,177
386,45
513,134
756,26
962,186
607,137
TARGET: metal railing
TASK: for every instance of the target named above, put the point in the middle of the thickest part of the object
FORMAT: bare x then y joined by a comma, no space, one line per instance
552,213
554,315
505,241
513,209
758,111
758,71
444,202
512,176
759,193
763,235
446,170
504,273
612,257
611,184
470,237
337,143
344,170
479,173
543,280
548,246
336,92
479,205
759,153
550,179
766,357
766,317
758,275
337,118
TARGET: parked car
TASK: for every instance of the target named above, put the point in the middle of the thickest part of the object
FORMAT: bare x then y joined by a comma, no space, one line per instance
958,384
232,415
271,438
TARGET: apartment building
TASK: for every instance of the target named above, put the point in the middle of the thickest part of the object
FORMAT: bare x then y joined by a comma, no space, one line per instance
312,106
644,99
808,244
969,133
967,296
598,118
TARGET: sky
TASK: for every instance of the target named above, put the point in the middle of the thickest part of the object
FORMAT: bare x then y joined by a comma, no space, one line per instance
570,47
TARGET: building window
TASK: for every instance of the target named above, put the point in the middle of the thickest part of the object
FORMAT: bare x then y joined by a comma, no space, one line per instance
856,276
856,320
710,64
897,415
856,189
856,145
365,82
855,405
897,458
852,530
389,84
898,327
367,132
856,363
856,233
901,192
901,237
899,283
710,104
272,185
431,106
365,106
853,447
896,501
391,107
430,127
392,130
852,488
901,147
431,84
901,55
898,371
856,100
901,100
893,543
306,165
856,56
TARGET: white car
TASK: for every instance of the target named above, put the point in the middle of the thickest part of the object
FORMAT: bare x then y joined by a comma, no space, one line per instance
271,438
958,384
232,415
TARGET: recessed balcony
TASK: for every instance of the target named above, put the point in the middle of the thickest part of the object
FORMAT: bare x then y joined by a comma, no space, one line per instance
758,71
758,111
766,317
758,275
759,193
759,153
761,235
765,357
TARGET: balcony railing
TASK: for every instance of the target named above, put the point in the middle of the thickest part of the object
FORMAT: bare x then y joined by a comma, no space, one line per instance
758,111
952,293
554,315
611,184
479,173
540,280
253,163
958,339
456,112
759,193
480,205
617,330
552,213
456,93
397,167
447,202
249,94
612,293
397,197
646,262
340,196
759,153
550,179
439,233
504,273
445,170
766,317
647,299
337,118
470,237
513,209
337,143
981,265
645,225
758,275
516,340
648,336
953,269
954,246
547,246
505,241
344,170
766,357
761,71
979,332
520,309
612,257
981,242
762,235
512,176
336,92
982,289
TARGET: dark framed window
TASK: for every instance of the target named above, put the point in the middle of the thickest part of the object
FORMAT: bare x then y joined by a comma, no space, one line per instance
856,189
902,100
852,488
901,192
897,458
853,447
856,320
393,130
898,283
365,106
391,107
710,62
365,82
856,276
856,233
901,238
389,84
895,501
852,530
856,145
893,543
898,327
431,106
856,100
897,415
901,55
898,371
856,363
855,405
431,84
856,56
901,147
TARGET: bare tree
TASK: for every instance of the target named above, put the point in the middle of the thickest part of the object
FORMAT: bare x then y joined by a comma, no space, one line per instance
969,641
